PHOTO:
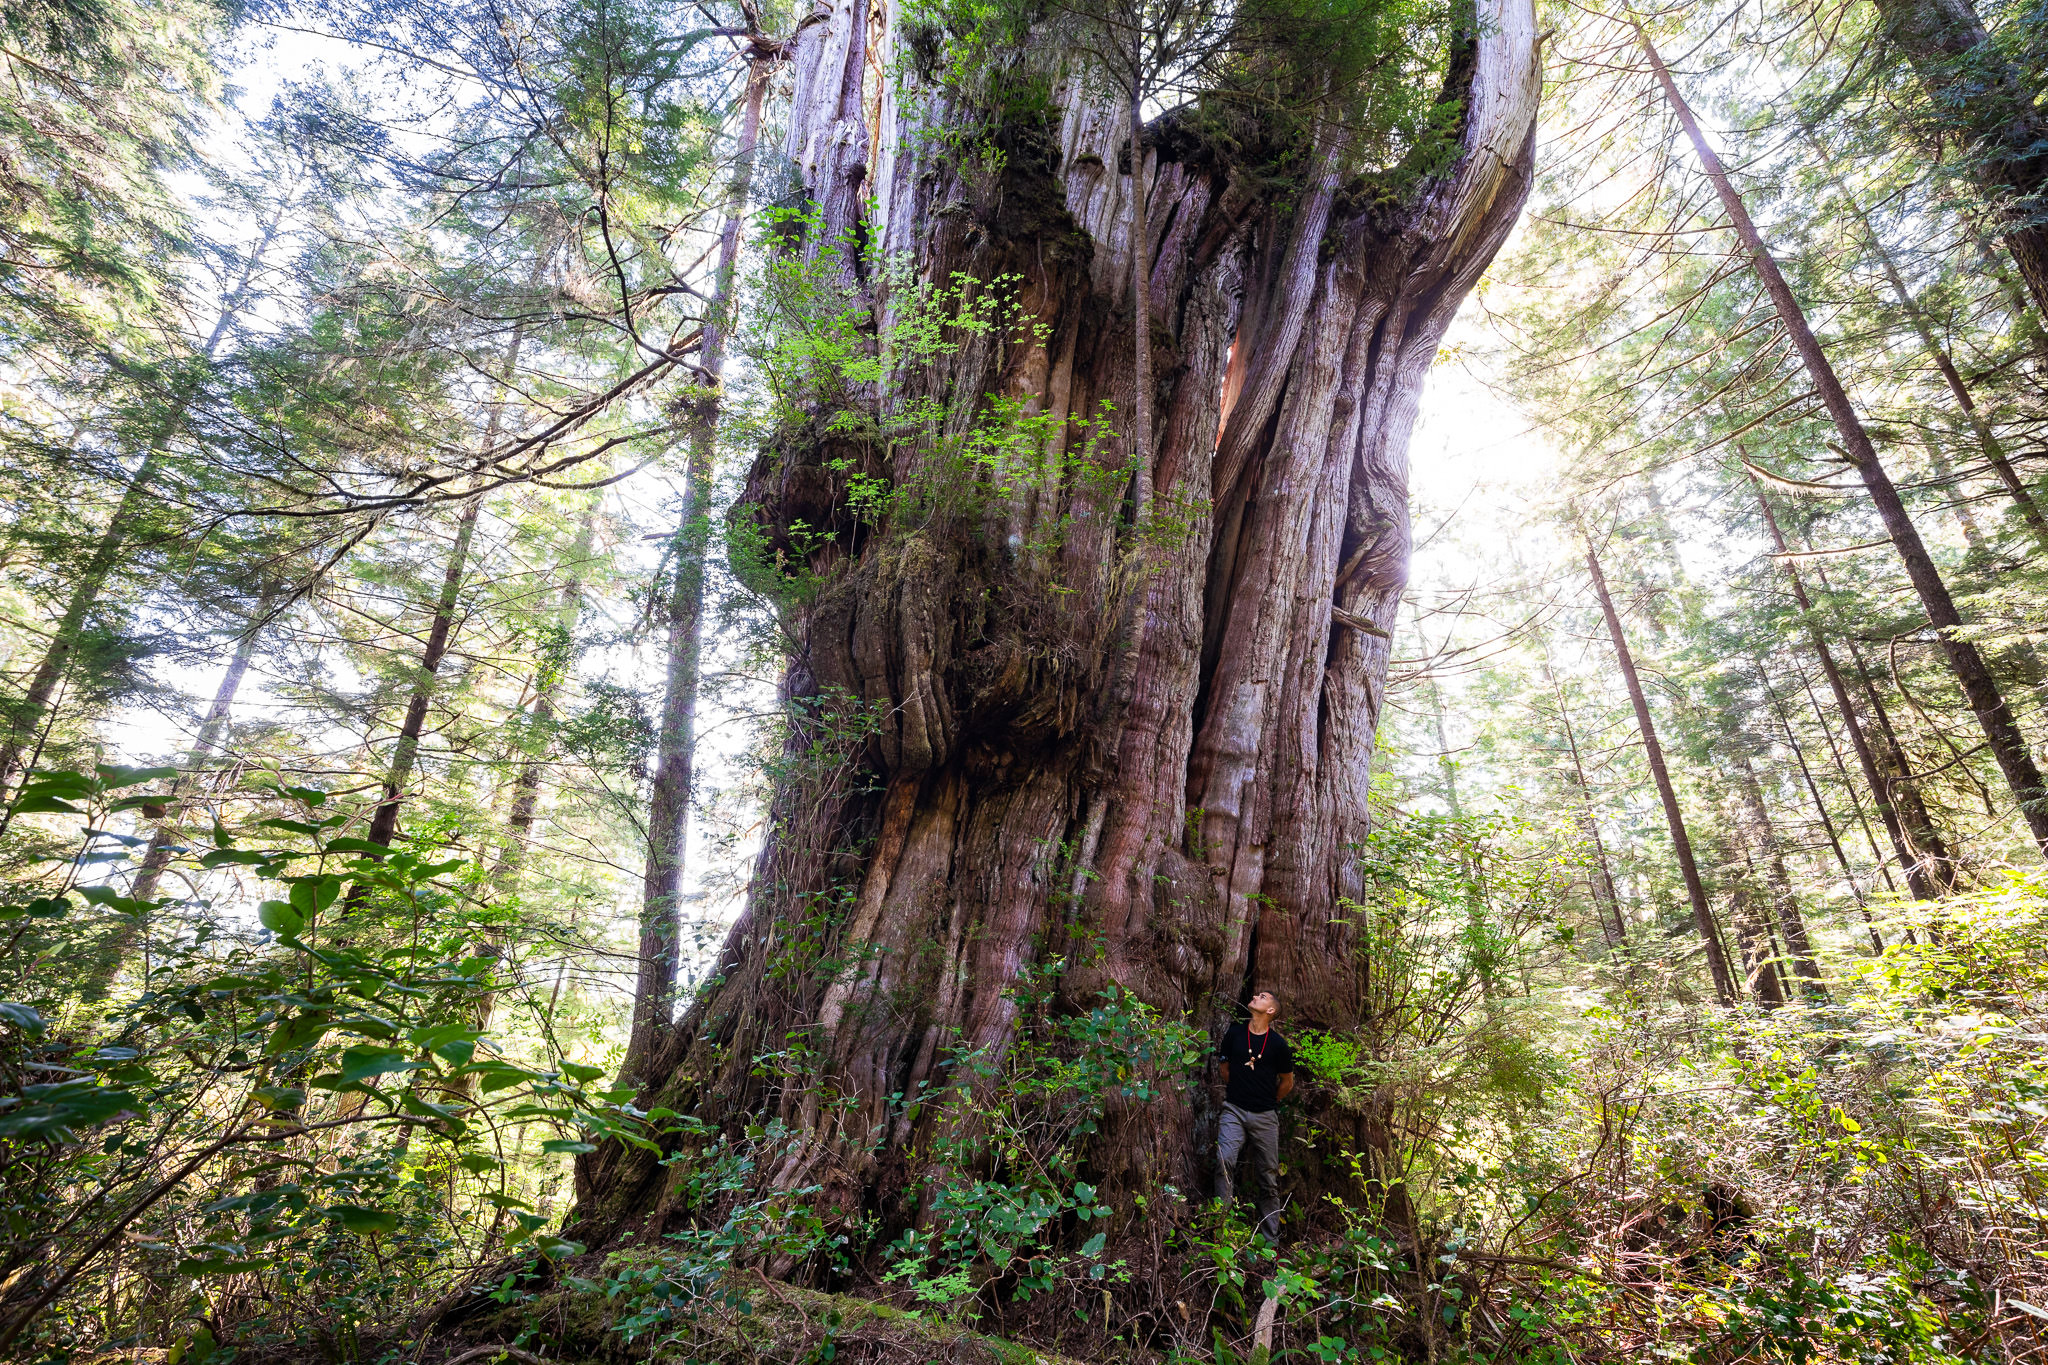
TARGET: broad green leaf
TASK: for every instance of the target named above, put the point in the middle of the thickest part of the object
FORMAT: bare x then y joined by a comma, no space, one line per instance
21,1016
46,907
37,803
557,1248
281,919
557,1145
311,895
362,1221
433,1037
577,1071
222,857
56,1111
300,1031
362,1062
450,1116
114,775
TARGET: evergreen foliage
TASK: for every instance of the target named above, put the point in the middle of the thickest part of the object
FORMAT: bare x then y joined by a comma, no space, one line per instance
375,545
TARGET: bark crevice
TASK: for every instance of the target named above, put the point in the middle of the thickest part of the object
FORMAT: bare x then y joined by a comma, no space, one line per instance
1223,797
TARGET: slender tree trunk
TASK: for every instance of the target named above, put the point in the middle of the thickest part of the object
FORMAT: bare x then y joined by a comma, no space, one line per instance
1923,836
1768,851
1820,806
27,716
1938,461
1877,857
212,730
1926,880
1752,928
536,739
919,860
1602,880
1990,104
2001,731
405,753
1444,765
156,858
440,630
1987,439
2026,320
668,805
537,736
1681,843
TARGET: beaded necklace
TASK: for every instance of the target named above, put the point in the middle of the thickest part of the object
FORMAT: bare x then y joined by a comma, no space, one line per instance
1264,1039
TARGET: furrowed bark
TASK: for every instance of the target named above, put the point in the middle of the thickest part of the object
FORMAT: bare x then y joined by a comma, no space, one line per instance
1994,717
929,850
1674,817
668,804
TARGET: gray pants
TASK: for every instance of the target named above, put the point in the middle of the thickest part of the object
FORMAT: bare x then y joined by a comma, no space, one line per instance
1261,1132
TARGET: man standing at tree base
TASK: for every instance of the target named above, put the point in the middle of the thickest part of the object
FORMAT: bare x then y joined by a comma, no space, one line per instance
1258,1073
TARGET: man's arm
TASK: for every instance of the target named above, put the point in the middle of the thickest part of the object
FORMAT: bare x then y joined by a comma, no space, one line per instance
1286,1085
1223,1070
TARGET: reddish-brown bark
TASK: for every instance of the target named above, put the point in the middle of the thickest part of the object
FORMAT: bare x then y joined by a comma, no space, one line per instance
933,857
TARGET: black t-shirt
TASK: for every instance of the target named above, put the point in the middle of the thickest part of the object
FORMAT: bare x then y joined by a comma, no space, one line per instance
1257,1062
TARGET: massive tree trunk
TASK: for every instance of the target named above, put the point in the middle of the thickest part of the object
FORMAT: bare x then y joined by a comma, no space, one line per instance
1997,112
921,855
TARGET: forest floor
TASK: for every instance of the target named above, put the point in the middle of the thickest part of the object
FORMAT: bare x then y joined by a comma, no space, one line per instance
770,1323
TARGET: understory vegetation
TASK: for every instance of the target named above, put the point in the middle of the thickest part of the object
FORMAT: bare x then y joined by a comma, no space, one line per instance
435,439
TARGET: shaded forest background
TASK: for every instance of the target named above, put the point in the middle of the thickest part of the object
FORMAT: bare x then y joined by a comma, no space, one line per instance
398,697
